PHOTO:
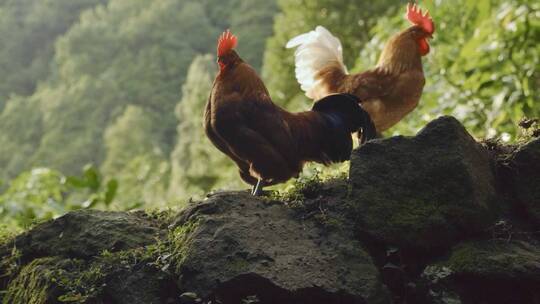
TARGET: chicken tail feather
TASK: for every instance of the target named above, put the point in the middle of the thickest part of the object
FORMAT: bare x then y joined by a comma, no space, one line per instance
315,51
344,116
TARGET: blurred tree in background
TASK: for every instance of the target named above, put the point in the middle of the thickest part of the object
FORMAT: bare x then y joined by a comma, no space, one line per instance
134,155
28,30
122,84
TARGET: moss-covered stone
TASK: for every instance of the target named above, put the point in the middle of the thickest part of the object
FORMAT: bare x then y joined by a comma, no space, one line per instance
425,192
41,281
87,233
495,258
524,166
234,245
179,243
97,252
120,277
490,271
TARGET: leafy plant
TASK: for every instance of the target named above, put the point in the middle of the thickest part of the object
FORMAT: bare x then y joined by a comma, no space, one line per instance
42,194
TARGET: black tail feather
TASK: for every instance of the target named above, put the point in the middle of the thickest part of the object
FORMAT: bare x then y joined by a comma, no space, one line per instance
354,117
344,116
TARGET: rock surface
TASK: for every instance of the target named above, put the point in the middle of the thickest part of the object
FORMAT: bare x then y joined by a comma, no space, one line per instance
84,256
240,246
84,234
494,271
524,166
424,192
432,219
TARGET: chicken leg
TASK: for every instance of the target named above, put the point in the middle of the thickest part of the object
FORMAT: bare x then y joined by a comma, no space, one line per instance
257,188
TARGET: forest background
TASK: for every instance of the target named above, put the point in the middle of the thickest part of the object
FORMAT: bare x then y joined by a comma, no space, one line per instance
101,101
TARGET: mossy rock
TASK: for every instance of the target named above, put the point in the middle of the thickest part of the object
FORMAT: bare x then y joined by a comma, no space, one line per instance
87,257
86,233
234,245
41,281
496,258
425,192
490,271
524,170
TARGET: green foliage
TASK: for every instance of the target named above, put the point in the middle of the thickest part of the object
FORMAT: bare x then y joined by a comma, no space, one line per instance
42,194
135,157
143,183
252,26
123,83
139,60
109,84
28,30
21,127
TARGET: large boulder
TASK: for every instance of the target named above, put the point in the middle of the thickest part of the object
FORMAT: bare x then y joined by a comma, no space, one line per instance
86,256
425,192
87,233
233,246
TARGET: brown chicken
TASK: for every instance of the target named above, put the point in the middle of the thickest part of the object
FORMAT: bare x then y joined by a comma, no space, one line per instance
268,144
389,91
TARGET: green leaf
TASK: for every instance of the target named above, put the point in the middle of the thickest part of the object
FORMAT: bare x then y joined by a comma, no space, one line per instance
92,177
110,193
75,182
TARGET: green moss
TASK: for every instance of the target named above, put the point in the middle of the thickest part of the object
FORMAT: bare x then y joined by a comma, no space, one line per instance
75,281
86,282
175,250
309,197
164,217
10,264
180,238
35,282
488,258
329,222
80,284
297,192
7,233
237,265
530,129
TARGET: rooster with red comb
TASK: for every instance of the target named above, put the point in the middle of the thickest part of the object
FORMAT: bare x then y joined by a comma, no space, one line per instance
269,144
389,91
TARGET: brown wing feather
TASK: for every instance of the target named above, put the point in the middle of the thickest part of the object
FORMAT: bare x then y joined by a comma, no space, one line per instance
372,84
222,146
253,134
270,122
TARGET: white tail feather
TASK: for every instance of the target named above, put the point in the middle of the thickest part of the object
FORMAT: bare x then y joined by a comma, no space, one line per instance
315,50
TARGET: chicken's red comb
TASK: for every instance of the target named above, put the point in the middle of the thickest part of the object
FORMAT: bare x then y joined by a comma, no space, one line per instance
414,15
226,42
